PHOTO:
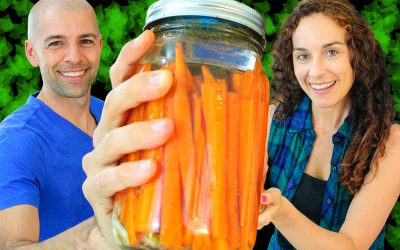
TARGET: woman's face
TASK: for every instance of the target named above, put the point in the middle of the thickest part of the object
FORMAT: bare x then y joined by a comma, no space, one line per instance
321,60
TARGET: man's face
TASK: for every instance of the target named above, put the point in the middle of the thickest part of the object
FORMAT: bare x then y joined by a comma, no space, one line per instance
66,46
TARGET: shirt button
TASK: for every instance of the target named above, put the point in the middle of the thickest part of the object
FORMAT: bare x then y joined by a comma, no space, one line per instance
334,168
337,139
329,201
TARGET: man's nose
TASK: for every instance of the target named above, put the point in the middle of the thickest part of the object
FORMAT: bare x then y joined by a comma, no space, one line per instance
74,54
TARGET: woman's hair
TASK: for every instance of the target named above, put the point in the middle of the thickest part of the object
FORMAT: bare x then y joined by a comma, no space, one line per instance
372,110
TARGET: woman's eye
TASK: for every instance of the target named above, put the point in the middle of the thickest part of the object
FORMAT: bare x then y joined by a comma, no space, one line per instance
332,52
302,57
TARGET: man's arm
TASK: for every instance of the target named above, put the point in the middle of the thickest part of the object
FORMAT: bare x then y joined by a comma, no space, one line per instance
19,229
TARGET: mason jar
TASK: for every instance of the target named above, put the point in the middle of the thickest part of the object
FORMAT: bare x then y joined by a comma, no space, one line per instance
206,192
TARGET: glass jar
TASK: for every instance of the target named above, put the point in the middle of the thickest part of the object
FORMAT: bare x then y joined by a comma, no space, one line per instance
206,192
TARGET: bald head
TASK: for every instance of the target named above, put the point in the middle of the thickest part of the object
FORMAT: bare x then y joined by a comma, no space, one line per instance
42,8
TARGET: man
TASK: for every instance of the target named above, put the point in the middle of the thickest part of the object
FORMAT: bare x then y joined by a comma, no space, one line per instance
42,143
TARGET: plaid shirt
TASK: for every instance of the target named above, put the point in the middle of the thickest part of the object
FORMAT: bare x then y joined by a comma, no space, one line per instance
289,148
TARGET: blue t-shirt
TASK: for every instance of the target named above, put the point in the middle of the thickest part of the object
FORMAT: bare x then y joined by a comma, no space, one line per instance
41,165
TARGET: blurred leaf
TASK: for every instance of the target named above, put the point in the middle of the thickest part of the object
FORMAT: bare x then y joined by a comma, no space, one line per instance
262,8
22,7
4,4
5,24
5,49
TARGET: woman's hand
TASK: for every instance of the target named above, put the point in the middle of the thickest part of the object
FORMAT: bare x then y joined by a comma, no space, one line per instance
271,203
113,139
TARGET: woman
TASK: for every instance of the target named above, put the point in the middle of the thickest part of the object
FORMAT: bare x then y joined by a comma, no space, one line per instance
333,148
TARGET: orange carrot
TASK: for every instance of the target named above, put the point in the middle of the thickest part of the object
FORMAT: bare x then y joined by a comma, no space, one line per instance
248,180
130,216
236,79
218,244
171,215
183,123
247,172
201,242
208,78
186,236
247,85
232,182
146,202
217,140
129,196
199,140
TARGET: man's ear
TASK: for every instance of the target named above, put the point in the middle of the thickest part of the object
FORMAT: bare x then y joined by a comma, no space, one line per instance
101,43
31,54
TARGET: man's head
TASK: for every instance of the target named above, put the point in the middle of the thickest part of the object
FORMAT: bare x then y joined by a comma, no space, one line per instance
65,43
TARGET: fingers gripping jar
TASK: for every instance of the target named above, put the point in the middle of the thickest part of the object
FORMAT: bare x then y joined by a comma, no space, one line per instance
210,172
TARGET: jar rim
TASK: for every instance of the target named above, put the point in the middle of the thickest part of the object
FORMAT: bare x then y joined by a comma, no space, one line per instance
230,10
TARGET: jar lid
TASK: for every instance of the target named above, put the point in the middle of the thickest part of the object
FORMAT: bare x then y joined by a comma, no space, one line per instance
225,9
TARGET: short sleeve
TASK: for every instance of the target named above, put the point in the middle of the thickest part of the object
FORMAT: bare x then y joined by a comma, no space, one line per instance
22,168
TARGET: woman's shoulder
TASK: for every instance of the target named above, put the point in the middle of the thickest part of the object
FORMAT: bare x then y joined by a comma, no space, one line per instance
391,156
394,137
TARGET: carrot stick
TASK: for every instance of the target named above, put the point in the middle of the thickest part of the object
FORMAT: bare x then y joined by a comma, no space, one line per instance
247,85
236,79
183,123
147,198
232,183
128,197
218,244
208,78
130,216
201,242
217,139
199,140
186,236
171,214
248,158
246,166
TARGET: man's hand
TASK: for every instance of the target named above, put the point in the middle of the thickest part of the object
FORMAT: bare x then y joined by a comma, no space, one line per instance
113,139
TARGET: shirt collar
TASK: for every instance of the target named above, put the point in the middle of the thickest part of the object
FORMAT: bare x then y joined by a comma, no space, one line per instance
346,129
301,119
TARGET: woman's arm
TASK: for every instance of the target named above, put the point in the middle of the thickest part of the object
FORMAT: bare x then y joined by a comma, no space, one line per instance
366,216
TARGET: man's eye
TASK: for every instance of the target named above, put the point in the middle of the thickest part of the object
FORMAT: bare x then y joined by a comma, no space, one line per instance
87,41
55,43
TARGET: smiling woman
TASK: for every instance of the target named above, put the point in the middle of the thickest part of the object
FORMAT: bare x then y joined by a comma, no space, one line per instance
329,74
321,61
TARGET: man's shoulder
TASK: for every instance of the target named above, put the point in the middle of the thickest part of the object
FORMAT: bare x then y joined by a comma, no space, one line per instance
20,117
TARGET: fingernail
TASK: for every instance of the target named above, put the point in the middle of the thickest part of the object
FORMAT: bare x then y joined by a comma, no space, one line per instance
159,126
143,165
263,198
156,77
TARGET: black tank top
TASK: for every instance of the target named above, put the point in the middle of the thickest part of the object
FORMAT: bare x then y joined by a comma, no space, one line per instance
308,200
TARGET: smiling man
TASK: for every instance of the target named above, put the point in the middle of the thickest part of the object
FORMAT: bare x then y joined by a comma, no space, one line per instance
43,142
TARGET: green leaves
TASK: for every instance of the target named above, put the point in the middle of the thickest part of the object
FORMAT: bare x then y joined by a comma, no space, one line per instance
393,231
383,16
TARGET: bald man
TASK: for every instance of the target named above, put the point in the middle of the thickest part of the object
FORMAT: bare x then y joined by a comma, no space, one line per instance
43,142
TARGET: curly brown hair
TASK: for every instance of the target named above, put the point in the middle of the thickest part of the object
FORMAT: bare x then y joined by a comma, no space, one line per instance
372,111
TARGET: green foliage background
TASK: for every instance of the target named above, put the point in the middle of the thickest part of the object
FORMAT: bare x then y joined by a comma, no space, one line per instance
122,21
